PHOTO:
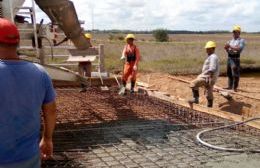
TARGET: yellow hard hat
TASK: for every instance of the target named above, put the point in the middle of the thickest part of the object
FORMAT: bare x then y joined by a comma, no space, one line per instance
88,35
237,28
130,36
210,44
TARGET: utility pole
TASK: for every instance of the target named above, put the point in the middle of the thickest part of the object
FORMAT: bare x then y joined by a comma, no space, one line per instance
92,17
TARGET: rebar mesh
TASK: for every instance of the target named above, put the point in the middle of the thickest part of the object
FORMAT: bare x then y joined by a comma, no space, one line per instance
102,129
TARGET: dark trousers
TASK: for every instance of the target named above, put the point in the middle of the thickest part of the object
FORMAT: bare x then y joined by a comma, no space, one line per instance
233,72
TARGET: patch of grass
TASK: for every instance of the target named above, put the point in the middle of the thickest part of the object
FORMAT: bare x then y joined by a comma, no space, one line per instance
183,54
173,66
247,61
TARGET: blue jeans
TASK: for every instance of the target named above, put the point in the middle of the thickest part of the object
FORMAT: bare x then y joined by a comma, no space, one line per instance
34,162
233,72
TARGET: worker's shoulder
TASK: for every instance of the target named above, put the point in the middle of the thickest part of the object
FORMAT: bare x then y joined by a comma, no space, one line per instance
36,68
214,56
136,46
242,40
39,67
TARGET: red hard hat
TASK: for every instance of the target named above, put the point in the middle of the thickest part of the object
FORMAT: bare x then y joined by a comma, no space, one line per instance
8,32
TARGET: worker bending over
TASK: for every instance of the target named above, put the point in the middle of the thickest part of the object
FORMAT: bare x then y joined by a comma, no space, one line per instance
234,48
85,67
208,77
131,56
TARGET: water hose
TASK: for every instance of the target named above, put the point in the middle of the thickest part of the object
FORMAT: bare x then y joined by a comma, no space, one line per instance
198,137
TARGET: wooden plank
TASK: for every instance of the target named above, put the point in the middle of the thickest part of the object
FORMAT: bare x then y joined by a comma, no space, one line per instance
61,74
66,65
61,47
217,88
142,84
94,82
87,52
81,58
58,56
102,58
211,111
179,79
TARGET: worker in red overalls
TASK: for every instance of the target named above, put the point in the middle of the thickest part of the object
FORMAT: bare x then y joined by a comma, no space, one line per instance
131,56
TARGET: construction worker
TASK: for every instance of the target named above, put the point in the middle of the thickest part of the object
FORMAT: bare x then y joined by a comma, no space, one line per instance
26,90
89,37
234,48
208,77
85,67
131,57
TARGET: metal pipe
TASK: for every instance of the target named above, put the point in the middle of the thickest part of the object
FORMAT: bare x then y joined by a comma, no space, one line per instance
11,10
35,32
63,13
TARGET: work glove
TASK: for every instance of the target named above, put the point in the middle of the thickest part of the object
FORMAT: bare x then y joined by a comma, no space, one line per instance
122,58
135,68
122,91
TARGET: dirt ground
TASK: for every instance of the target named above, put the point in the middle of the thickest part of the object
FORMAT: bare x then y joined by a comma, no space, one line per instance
241,105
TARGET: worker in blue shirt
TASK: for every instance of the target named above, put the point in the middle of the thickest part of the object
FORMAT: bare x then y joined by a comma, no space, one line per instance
26,90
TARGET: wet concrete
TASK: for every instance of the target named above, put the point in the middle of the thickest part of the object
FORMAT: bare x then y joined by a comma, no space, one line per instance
97,129
235,161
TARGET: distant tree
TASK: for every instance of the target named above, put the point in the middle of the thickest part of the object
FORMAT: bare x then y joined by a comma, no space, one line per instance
161,35
111,37
120,37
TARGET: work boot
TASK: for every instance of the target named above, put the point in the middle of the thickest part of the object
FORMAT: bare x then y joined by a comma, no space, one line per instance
210,103
124,83
195,98
132,87
230,84
83,88
122,90
236,82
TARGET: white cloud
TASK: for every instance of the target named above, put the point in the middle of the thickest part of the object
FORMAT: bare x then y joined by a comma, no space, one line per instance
170,14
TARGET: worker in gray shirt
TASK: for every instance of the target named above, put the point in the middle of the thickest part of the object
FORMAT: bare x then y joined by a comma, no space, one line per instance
234,48
208,77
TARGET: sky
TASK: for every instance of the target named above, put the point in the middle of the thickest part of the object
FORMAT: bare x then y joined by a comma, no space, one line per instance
193,15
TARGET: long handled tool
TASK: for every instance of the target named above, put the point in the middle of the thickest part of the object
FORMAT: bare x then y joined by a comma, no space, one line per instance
122,90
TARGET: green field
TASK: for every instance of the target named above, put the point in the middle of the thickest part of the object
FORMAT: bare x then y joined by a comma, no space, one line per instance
184,54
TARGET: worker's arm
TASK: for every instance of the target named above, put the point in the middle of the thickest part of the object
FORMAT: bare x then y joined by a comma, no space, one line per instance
123,56
138,56
235,48
49,120
213,63
226,47
238,48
